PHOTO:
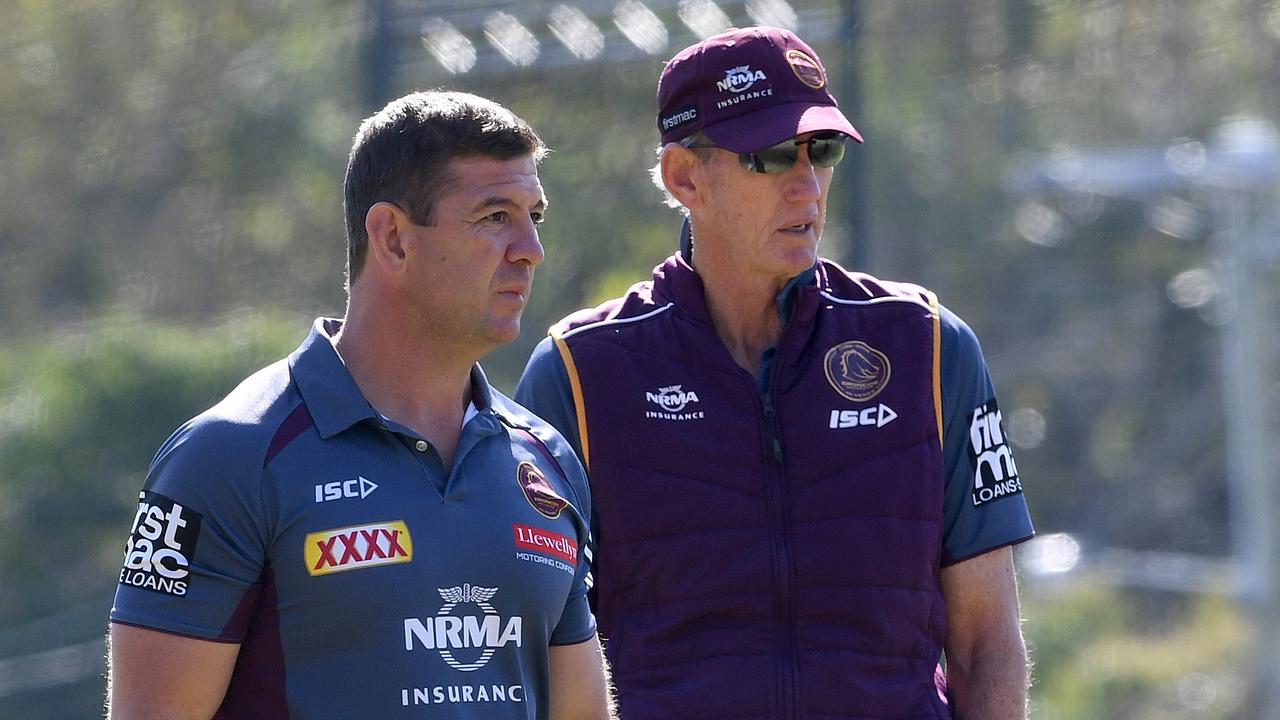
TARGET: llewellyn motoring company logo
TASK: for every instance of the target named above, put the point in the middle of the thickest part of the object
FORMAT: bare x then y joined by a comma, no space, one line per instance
467,629
856,370
161,546
674,403
545,547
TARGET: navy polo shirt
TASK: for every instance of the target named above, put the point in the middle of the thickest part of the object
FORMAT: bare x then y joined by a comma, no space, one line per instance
361,577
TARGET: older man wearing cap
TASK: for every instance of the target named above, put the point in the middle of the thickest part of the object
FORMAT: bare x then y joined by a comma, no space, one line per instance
804,499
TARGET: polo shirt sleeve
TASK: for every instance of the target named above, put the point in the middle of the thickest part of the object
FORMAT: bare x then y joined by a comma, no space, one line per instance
983,507
577,623
194,560
545,390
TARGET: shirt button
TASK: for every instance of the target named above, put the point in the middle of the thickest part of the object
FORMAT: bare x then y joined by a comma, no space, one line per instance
421,445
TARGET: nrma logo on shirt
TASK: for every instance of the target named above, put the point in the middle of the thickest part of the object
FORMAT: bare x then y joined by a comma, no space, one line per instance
466,639
357,546
161,546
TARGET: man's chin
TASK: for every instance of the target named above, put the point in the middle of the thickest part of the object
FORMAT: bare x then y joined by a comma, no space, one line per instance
503,332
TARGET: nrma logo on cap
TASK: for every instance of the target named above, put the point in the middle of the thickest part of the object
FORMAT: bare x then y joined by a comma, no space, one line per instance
739,79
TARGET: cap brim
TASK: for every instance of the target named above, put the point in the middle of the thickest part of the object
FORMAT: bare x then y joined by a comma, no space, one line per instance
770,126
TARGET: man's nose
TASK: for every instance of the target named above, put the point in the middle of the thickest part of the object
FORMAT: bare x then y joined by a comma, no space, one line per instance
527,246
802,179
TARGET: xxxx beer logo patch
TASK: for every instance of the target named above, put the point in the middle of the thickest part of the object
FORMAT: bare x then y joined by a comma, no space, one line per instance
856,370
538,491
357,547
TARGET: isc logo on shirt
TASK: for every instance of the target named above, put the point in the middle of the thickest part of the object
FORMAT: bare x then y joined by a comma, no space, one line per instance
356,487
357,546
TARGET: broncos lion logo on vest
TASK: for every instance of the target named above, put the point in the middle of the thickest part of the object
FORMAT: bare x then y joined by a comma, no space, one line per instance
856,370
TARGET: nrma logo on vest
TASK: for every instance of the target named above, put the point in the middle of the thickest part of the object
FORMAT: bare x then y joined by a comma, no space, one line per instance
671,398
466,639
674,402
877,416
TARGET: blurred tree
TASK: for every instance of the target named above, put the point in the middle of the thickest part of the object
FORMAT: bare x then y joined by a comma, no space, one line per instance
89,406
175,160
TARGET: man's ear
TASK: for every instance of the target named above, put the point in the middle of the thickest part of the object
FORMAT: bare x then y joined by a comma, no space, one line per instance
679,165
385,224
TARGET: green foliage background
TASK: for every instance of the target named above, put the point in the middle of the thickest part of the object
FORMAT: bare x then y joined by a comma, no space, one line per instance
170,220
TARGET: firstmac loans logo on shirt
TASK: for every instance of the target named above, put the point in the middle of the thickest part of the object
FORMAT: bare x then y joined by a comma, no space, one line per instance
159,551
995,475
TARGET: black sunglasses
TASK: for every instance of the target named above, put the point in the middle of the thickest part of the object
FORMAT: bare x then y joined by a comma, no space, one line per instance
825,150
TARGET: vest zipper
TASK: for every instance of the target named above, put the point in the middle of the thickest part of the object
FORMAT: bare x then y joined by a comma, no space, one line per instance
784,564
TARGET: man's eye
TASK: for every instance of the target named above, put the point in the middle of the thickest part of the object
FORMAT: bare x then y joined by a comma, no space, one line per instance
537,218
497,217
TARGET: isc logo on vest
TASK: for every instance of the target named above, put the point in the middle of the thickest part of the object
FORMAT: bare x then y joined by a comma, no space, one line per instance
866,417
160,548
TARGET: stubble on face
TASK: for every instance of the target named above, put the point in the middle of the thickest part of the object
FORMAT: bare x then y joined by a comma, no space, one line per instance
480,253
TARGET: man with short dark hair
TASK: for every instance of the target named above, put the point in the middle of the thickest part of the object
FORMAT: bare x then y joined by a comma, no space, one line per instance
367,529
804,496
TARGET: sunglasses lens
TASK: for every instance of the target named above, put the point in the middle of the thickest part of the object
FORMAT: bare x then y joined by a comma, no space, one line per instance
824,151
776,159
779,158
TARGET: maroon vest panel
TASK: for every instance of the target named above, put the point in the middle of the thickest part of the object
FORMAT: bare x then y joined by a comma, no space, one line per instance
765,554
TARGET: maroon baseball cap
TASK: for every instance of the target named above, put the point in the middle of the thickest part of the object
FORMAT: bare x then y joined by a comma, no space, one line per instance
747,89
